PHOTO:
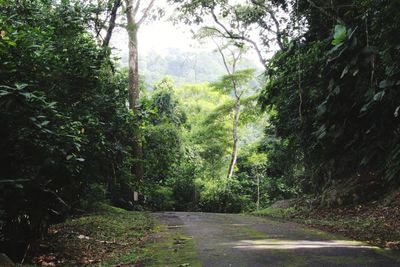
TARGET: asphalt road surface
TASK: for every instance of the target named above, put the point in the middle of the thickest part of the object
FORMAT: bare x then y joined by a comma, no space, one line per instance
248,241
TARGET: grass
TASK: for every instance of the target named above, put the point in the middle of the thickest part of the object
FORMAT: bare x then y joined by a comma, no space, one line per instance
107,237
276,213
112,236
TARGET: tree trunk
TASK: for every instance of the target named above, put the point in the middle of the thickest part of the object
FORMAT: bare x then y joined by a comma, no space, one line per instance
258,191
133,86
111,26
235,139
133,76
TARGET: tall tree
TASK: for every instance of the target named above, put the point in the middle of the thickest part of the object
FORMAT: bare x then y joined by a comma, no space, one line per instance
136,14
235,81
231,71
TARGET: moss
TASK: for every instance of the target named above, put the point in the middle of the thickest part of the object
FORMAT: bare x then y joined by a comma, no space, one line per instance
293,259
323,234
108,236
249,232
394,255
278,213
170,247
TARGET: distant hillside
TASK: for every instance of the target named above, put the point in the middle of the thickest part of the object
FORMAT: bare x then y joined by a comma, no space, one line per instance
182,66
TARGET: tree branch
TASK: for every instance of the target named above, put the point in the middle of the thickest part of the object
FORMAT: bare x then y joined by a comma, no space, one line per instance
223,57
136,9
275,20
239,37
326,13
111,26
146,13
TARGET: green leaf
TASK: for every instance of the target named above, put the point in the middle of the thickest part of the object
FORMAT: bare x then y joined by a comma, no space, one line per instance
321,109
379,96
339,35
4,93
385,84
44,123
21,86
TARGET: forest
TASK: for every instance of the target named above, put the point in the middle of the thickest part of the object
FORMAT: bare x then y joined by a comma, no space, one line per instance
318,124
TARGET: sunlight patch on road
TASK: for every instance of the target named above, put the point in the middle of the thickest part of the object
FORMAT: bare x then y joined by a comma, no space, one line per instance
296,244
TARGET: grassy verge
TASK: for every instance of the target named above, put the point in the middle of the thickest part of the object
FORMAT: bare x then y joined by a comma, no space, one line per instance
276,213
364,223
108,237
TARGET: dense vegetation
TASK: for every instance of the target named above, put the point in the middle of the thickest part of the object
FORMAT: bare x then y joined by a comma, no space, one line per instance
325,113
65,128
333,93
183,66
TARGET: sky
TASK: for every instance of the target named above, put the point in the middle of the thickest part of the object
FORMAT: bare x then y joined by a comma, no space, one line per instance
158,36
161,35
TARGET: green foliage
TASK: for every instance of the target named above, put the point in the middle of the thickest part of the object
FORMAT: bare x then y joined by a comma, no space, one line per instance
64,122
164,101
162,151
339,34
161,198
224,196
210,142
335,107
277,213
331,96
186,162
104,227
239,79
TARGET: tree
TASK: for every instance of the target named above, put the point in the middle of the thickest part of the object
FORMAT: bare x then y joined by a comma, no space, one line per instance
113,16
136,14
235,82
240,22
65,128
232,81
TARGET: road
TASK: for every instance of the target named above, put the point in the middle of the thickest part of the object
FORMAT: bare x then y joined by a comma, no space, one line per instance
248,241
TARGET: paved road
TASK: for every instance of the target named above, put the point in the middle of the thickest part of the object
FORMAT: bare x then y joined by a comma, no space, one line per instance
248,241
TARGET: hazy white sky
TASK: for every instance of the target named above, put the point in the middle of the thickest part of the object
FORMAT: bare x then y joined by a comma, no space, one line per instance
160,35
157,35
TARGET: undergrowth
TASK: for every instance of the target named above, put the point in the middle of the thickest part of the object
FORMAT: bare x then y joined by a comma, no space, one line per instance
107,237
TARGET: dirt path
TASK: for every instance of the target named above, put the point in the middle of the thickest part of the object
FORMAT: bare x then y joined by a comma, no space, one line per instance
242,240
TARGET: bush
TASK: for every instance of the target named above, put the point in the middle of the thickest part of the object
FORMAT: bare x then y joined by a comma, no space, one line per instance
95,193
225,196
161,199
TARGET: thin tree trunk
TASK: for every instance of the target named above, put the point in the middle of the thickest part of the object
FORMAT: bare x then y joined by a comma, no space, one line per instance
235,139
111,26
133,85
258,191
